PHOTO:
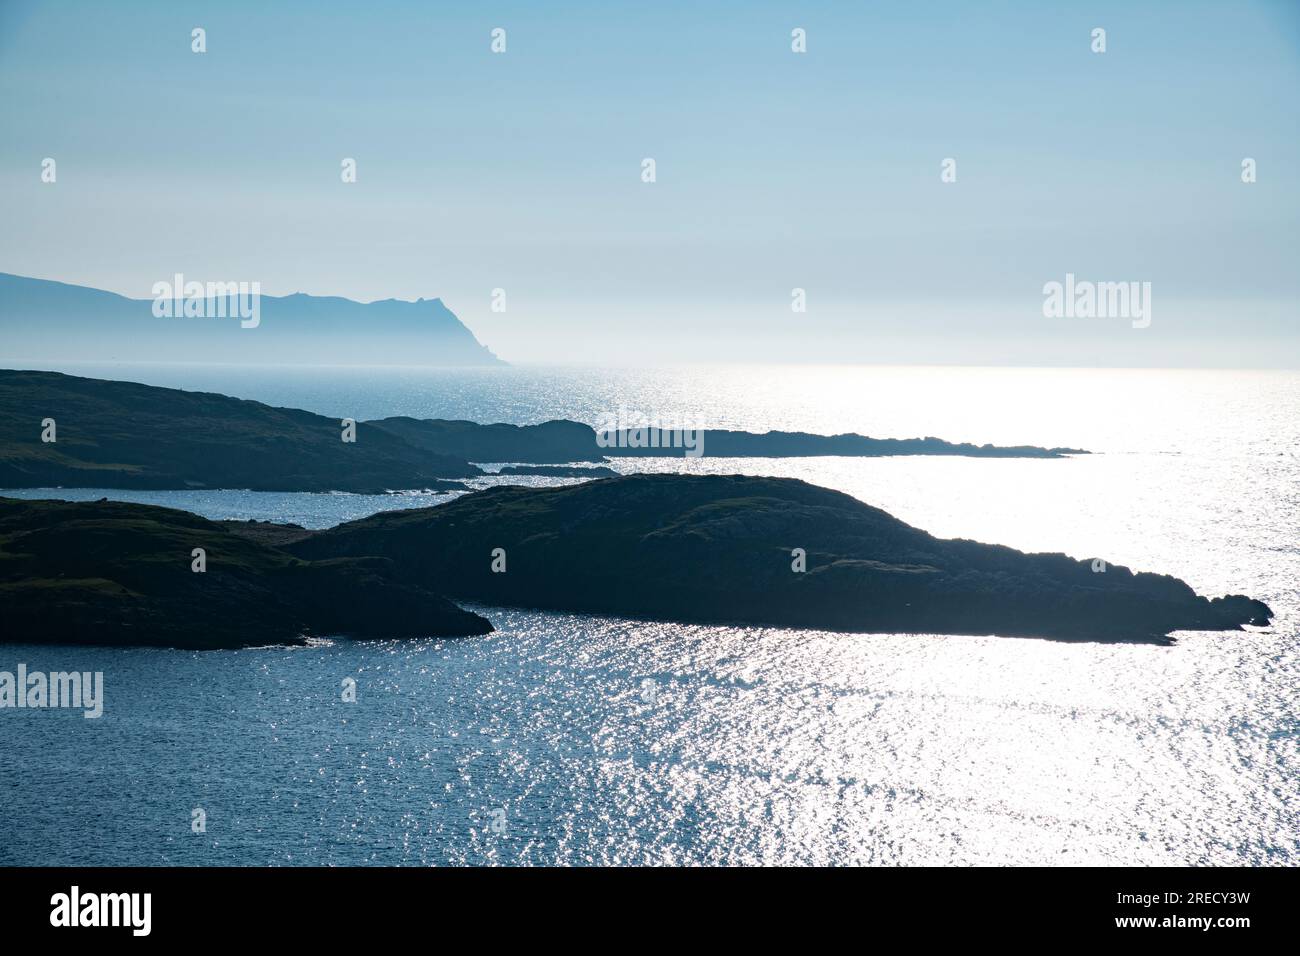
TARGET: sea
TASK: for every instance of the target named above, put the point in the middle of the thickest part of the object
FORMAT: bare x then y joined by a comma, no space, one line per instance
578,740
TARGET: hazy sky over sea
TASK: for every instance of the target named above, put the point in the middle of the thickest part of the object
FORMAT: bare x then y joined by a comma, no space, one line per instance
775,170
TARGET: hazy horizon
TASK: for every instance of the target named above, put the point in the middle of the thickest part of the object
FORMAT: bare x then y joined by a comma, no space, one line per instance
775,171
70,360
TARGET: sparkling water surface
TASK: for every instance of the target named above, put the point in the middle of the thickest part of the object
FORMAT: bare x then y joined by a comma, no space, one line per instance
602,740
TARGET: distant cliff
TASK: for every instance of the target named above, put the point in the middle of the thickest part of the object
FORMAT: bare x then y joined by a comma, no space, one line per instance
42,320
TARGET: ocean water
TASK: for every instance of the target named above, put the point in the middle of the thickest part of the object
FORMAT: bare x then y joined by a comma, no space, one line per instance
574,739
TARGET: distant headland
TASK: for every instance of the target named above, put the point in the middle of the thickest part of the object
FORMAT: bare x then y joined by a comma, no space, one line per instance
61,430
43,320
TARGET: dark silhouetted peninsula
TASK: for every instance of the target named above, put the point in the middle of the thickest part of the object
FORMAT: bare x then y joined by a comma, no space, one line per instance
708,549
562,441
723,443
723,549
126,435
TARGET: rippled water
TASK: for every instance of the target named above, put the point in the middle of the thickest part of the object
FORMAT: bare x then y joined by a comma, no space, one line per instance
594,740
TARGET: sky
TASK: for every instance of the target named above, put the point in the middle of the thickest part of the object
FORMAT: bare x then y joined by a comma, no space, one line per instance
774,170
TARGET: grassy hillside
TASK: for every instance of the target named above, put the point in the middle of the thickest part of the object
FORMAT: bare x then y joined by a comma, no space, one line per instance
122,574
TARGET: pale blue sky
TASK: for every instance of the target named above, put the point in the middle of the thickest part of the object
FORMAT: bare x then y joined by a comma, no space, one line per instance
775,170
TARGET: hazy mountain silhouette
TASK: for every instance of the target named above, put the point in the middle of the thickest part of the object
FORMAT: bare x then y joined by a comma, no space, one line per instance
45,320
